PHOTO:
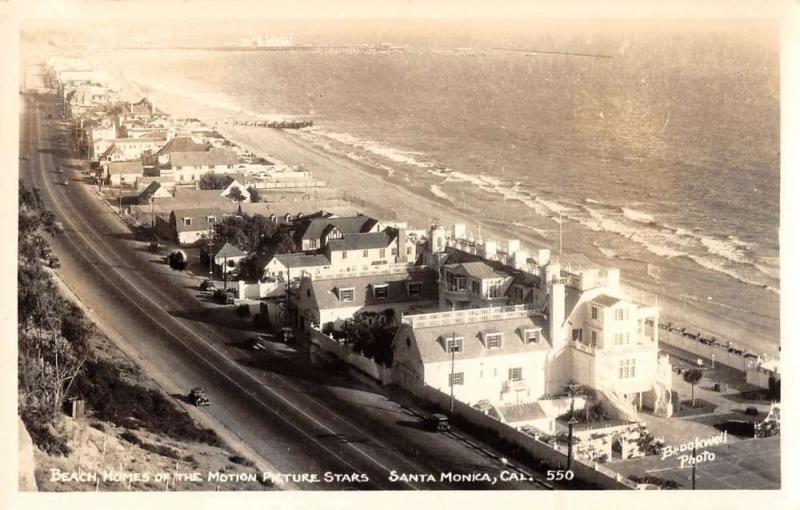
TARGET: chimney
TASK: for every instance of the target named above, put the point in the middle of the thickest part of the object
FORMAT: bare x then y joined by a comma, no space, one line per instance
612,278
459,231
402,240
542,256
519,259
490,250
513,246
555,307
152,106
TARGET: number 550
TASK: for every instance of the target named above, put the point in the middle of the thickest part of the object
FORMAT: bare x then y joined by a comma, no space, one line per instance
559,474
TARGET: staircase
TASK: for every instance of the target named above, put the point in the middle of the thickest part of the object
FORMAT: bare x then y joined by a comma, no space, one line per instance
624,409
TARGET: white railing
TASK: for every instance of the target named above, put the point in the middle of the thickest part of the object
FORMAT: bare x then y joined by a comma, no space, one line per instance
641,297
354,272
427,320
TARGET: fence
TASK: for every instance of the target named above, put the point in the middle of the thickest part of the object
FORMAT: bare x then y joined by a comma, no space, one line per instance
261,289
466,316
385,375
718,352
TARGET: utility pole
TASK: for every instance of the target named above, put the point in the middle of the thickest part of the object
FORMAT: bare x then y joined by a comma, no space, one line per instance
153,217
225,273
210,255
573,390
560,236
452,372
694,466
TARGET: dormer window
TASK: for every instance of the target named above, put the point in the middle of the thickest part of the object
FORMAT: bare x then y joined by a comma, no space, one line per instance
212,219
187,222
380,290
494,340
452,344
346,295
531,336
415,289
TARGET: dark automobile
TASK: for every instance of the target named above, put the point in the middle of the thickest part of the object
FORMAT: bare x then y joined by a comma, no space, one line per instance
207,285
224,297
155,247
198,397
437,422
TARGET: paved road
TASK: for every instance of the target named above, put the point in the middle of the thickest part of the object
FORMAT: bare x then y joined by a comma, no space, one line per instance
300,418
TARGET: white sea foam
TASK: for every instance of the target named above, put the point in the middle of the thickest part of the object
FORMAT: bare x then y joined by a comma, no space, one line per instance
538,231
395,155
635,215
726,249
437,191
607,252
590,201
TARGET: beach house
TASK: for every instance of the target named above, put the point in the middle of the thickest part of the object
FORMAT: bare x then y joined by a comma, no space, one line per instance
188,226
123,172
327,299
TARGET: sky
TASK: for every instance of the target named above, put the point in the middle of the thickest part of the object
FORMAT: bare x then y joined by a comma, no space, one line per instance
104,9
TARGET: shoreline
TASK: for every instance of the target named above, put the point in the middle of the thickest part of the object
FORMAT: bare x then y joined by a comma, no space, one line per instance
380,194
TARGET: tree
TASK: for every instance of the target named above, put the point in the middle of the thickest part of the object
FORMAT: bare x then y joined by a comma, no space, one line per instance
255,195
236,194
692,376
210,180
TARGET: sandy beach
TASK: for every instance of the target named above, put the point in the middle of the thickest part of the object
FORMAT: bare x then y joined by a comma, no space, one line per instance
392,201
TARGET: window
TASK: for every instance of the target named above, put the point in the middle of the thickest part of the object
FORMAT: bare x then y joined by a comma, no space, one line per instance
461,283
187,222
366,253
344,254
618,339
308,292
494,290
494,340
415,289
408,250
454,344
515,374
346,295
382,253
394,251
531,336
594,313
577,335
594,338
519,294
457,379
627,368
476,287
380,291
212,219
619,314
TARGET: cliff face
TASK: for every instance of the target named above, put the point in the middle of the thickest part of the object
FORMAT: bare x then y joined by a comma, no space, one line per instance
27,481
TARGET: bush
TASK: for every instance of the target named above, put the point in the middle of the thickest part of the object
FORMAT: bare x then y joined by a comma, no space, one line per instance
177,260
42,435
117,401
130,437
676,402
243,461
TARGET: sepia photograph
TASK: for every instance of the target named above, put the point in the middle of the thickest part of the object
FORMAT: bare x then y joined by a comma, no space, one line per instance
396,246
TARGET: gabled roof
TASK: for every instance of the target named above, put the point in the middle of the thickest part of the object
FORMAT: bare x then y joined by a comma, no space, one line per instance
229,250
182,144
315,227
430,340
112,150
325,291
605,300
300,260
125,167
199,218
360,241
211,157
478,269
151,190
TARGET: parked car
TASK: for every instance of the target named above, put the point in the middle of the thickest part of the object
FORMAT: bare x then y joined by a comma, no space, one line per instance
198,397
155,247
224,297
437,422
207,285
287,335
258,344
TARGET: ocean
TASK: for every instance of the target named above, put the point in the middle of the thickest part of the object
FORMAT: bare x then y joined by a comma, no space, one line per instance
662,160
